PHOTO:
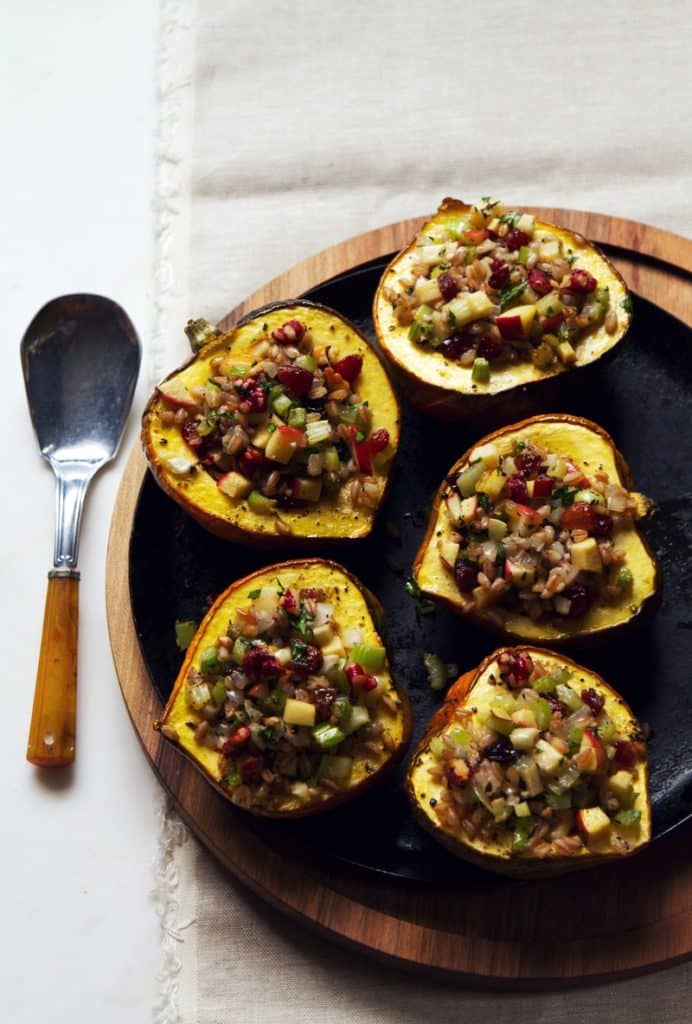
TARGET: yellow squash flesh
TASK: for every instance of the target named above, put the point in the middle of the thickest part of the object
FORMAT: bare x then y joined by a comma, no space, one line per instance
444,388
592,449
354,608
331,519
476,689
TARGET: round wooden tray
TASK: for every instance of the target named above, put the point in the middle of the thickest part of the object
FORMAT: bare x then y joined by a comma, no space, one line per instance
616,921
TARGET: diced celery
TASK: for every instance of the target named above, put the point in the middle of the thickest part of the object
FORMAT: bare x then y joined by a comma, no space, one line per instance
360,716
274,702
588,495
436,669
327,736
480,371
607,729
542,712
240,648
343,710
497,529
523,255
624,578
318,432
282,406
628,818
368,656
307,362
184,632
219,693
209,660
437,747
568,696
297,417
550,304
461,737
561,801
558,470
575,737
260,504
331,460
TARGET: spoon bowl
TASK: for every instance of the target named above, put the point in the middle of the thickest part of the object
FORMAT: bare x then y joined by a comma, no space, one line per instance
80,358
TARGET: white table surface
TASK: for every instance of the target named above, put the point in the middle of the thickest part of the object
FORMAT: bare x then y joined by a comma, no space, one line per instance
80,939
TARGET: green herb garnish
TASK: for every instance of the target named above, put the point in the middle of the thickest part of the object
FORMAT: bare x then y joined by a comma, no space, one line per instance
510,294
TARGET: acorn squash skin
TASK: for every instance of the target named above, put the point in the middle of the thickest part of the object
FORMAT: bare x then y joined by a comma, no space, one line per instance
357,606
567,435
471,688
332,522
445,390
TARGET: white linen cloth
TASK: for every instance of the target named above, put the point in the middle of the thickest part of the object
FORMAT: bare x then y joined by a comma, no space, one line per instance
286,128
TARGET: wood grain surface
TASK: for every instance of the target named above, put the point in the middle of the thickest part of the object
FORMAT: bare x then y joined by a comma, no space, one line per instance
615,921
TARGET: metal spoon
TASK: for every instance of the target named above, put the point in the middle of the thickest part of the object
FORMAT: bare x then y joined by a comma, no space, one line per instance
80,357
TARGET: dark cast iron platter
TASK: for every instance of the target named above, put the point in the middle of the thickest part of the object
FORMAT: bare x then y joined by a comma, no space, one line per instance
644,399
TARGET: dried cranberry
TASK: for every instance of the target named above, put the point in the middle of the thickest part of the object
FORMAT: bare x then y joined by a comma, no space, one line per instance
379,440
557,705
289,602
603,525
516,238
528,463
349,367
305,659
359,679
455,780
540,282
190,435
516,487
543,487
625,754
489,347
581,282
296,380
260,664
499,278
252,461
250,768
456,344
291,333
466,575
324,697
517,665
579,599
236,741
593,700
256,399
579,516
501,751
448,286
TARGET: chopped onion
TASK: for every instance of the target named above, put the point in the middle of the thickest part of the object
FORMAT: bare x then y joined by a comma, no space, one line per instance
323,613
177,464
352,636
617,498
490,550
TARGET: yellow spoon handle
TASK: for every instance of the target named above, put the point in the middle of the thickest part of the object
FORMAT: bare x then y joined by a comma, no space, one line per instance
53,719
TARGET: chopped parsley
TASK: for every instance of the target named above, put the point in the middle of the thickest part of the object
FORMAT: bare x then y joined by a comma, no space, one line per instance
626,304
510,294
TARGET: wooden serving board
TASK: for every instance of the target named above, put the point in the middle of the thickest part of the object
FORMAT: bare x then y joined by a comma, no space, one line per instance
612,922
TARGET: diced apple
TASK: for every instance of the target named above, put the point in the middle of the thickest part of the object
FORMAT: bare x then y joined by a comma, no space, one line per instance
621,786
469,477
540,488
519,574
323,634
492,483
592,822
566,353
586,556
234,485
524,717
548,758
592,757
334,648
453,504
307,489
517,322
282,444
522,809
261,439
526,223
427,292
176,394
558,469
469,507
530,776
178,464
299,712
449,551
497,529
488,454
548,249
464,309
524,738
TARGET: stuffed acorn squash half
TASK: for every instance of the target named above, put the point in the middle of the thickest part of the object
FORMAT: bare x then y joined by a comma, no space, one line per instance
280,431
285,699
487,305
533,534
533,766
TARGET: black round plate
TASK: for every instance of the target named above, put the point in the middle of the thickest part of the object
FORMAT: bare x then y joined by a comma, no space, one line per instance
644,399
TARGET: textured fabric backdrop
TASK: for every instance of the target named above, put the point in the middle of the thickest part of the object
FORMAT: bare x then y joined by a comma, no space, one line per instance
286,128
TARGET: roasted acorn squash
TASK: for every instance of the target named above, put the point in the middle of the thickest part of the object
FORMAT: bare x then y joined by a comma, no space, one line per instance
591,788
436,375
612,579
224,496
285,700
